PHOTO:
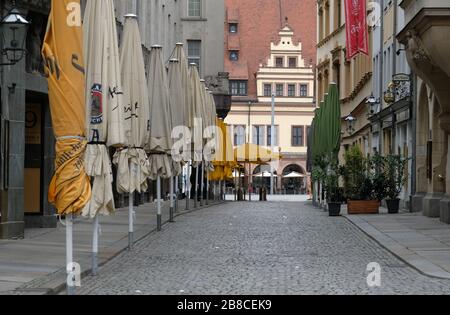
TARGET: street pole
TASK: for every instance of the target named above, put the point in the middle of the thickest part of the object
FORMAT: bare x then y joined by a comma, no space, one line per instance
272,143
248,141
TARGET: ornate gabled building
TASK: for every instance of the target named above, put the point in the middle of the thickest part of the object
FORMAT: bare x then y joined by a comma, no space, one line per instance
290,80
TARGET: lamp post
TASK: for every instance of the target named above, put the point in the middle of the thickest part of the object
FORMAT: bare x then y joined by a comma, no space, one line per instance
14,33
272,143
248,141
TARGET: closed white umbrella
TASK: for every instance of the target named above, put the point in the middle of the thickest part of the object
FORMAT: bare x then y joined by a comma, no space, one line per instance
104,101
176,107
196,109
180,55
160,142
294,175
132,163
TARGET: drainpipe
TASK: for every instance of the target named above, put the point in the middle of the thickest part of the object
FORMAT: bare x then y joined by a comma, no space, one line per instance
414,140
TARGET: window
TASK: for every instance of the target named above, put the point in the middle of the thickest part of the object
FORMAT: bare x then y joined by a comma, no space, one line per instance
298,136
268,90
238,88
234,55
194,8
303,90
279,62
233,28
239,135
269,136
280,90
258,135
292,62
291,90
194,52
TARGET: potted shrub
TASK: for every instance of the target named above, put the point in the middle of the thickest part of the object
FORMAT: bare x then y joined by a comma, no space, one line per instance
395,180
358,174
332,190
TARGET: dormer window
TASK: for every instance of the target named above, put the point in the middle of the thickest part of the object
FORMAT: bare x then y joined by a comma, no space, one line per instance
279,62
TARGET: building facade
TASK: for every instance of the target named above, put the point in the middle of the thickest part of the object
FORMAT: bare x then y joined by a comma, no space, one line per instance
274,58
27,140
392,89
353,77
425,35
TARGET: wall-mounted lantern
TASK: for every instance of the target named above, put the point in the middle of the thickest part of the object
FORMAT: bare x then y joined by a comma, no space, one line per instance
350,124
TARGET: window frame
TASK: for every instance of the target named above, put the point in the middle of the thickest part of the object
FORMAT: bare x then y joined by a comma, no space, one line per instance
189,9
282,62
264,89
296,62
237,135
294,94
307,89
231,25
293,136
241,88
277,94
268,136
194,58
260,134
233,52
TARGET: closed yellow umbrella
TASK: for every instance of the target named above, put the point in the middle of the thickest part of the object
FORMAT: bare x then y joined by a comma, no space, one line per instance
70,188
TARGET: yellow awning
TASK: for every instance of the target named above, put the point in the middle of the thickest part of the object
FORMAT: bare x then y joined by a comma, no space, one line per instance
255,154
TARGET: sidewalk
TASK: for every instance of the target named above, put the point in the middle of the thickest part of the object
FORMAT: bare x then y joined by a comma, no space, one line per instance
36,264
422,242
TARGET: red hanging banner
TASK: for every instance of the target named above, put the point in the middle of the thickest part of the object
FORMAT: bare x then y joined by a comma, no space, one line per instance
356,28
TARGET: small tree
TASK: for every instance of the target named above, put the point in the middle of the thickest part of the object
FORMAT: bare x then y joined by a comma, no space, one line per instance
395,175
356,183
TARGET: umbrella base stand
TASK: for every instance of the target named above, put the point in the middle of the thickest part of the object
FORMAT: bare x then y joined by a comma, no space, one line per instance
159,223
130,240
171,211
94,264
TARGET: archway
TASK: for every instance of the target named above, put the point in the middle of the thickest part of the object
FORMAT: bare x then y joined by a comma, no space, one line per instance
294,180
261,176
423,141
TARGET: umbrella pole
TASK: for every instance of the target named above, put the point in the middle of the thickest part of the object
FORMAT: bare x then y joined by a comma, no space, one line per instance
171,199
207,190
176,193
95,247
130,221
202,181
220,191
158,196
69,255
188,186
196,188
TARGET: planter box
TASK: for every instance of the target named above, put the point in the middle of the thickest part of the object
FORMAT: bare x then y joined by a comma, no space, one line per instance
363,206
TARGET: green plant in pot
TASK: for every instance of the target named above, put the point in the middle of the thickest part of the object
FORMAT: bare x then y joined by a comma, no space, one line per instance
395,173
358,175
332,189
376,167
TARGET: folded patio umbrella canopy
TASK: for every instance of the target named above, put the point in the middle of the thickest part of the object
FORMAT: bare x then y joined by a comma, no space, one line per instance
180,55
132,163
196,110
70,188
104,101
176,105
160,142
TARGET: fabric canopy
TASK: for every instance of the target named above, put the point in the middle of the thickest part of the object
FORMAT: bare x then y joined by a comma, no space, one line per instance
160,142
70,188
252,153
104,101
294,175
180,55
196,109
131,161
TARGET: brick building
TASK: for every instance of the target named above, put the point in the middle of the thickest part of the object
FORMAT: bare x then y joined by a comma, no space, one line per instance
270,48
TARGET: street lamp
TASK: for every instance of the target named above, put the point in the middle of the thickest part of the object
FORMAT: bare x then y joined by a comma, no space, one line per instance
14,29
372,102
350,124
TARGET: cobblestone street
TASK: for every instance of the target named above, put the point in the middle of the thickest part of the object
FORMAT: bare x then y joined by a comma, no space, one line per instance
258,248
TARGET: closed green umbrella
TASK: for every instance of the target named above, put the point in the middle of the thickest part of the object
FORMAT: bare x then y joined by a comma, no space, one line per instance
332,120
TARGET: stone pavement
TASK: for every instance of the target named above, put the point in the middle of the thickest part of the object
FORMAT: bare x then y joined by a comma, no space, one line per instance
36,264
422,242
258,248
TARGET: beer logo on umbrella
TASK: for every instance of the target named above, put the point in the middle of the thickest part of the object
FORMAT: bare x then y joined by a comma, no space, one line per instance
97,104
